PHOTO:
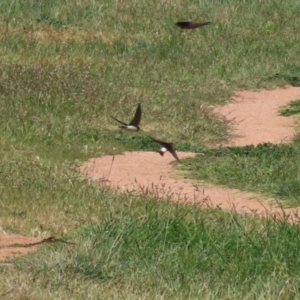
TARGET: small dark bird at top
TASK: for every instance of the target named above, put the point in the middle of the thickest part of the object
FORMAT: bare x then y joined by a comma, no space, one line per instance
134,124
165,147
191,24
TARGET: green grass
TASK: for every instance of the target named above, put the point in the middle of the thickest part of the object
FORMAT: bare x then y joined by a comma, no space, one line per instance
66,67
292,109
103,60
153,250
291,74
271,169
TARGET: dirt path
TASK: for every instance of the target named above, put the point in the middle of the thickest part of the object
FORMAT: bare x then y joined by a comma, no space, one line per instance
256,118
158,177
255,115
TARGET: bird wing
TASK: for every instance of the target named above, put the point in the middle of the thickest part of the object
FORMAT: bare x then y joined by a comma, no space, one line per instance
168,146
201,24
173,152
137,117
164,144
119,121
182,24
191,24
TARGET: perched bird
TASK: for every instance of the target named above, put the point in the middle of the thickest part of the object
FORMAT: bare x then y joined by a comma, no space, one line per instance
166,147
134,124
191,24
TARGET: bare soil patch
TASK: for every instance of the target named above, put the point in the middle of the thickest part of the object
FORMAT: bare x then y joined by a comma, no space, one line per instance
256,119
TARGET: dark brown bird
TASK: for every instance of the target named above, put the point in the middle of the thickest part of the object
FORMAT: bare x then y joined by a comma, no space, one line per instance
165,147
191,24
134,124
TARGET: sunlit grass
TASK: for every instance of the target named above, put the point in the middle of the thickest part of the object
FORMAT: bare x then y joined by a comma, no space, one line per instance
148,249
77,63
270,169
66,67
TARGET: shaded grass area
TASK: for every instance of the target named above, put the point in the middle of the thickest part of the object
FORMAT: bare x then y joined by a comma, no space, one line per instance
271,169
291,74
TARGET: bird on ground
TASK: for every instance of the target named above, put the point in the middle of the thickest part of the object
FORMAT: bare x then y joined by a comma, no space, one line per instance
191,24
165,147
134,124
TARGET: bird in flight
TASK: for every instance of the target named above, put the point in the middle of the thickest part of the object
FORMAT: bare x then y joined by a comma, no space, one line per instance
166,147
191,24
134,124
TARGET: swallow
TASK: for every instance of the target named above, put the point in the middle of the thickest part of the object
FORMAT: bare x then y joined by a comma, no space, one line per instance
166,147
191,24
134,124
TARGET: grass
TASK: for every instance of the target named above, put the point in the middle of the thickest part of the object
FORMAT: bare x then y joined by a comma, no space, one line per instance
271,169
66,67
292,109
153,250
73,77
291,74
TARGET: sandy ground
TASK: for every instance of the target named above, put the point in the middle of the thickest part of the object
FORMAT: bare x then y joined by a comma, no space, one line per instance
256,119
7,242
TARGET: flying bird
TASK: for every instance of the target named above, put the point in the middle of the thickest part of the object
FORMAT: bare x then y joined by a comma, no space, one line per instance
191,24
166,147
134,124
